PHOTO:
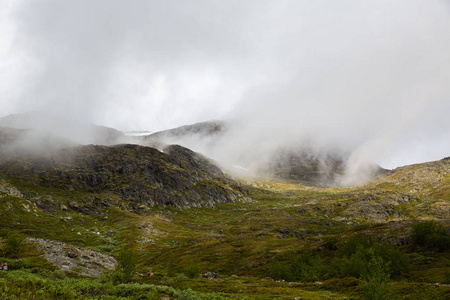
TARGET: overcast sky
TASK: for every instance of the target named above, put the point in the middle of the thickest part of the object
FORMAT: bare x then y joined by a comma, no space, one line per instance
371,75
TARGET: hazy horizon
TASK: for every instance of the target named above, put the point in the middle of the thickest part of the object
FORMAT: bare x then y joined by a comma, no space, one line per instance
369,77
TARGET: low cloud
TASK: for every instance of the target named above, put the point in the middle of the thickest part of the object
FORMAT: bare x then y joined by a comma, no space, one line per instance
368,79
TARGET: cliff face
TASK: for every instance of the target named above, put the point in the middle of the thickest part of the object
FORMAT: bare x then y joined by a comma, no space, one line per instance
129,175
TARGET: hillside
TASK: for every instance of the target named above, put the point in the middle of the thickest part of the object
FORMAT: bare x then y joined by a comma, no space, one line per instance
182,217
130,176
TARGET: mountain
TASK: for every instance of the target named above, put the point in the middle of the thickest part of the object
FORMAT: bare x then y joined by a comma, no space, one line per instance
84,210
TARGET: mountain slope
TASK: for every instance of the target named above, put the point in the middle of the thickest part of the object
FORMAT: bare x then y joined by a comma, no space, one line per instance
131,176
76,196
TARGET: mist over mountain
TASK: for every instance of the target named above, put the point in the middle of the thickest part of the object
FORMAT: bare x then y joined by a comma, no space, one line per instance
202,149
244,150
369,80
232,144
64,126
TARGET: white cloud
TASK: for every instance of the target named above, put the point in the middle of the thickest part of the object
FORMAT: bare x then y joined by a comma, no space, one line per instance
351,73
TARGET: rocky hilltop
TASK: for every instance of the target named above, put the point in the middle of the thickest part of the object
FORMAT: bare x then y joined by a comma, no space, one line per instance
134,177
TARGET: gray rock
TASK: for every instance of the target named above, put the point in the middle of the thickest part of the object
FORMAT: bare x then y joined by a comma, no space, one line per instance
210,275
74,259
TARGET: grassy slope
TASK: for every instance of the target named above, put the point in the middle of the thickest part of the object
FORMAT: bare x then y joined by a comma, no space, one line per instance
241,241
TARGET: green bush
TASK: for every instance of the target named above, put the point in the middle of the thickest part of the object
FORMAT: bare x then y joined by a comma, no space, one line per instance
305,267
398,260
430,234
355,265
355,242
354,258
171,270
137,290
192,271
14,245
279,271
18,263
308,267
375,280
341,283
126,267
423,292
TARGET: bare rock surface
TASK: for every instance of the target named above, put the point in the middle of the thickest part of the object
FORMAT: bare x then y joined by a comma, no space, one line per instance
8,189
74,259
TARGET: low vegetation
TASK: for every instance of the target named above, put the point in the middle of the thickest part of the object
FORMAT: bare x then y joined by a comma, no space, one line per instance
386,240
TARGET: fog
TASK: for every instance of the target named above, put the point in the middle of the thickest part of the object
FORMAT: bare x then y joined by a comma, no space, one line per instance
367,78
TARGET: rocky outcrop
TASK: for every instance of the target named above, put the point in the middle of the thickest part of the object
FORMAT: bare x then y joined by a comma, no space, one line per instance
9,189
379,207
139,175
74,259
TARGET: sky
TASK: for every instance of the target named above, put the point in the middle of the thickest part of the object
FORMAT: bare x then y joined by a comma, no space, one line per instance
368,76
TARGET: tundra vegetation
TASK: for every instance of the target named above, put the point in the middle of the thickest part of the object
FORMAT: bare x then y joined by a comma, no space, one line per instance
262,239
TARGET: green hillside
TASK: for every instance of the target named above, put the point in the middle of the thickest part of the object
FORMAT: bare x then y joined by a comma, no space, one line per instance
206,236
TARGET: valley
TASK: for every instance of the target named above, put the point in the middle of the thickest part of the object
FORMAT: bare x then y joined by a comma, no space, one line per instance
277,240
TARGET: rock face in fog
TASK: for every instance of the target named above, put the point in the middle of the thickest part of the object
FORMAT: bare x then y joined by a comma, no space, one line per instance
133,177
306,165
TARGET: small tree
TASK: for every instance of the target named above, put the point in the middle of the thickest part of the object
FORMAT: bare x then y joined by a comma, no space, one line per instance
375,280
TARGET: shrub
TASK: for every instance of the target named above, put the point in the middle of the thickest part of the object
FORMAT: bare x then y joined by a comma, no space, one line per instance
305,267
447,277
20,263
359,251
279,271
141,291
430,234
355,242
423,292
192,271
375,280
126,267
308,267
341,283
171,270
398,260
356,265
330,243
14,245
